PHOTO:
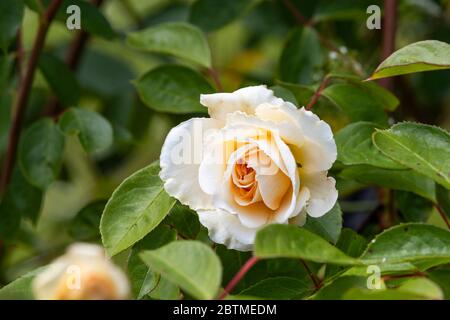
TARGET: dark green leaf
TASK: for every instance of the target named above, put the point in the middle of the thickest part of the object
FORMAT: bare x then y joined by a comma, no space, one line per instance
85,225
93,130
11,13
282,288
61,79
40,153
184,220
412,207
173,89
328,226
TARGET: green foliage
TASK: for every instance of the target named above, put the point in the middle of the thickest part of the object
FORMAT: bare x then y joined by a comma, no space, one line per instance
85,225
327,226
135,208
11,12
20,289
40,153
93,130
191,265
173,89
420,56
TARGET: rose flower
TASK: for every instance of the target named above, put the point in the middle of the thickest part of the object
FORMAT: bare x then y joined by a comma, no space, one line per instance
257,160
83,273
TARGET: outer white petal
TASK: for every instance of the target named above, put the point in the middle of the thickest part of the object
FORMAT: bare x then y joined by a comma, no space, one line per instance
180,159
245,100
226,229
315,149
323,193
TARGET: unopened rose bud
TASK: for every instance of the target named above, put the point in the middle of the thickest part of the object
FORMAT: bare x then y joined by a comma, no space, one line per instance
82,273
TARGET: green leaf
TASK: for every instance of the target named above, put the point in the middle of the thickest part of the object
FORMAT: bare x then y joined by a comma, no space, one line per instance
410,242
5,120
21,288
85,225
40,153
285,94
341,10
135,208
61,79
278,288
412,207
442,278
301,56
178,39
417,57
328,226
165,290
190,264
443,199
356,103
11,13
173,89
211,15
406,180
184,220
423,148
289,241
93,130
143,279
336,289
351,244
354,145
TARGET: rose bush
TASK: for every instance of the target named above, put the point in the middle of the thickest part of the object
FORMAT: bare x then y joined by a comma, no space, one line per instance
257,160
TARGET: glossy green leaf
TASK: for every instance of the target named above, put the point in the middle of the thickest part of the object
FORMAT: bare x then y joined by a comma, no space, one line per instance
135,208
354,145
93,130
61,79
178,39
289,241
328,226
443,199
413,207
191,265
5,120
301,56
408,242
143,279
282,288
11,13
417,57
442,278
423,148
336,289
21,288
356,103
173,89
85,225
210,15
40,153
406,180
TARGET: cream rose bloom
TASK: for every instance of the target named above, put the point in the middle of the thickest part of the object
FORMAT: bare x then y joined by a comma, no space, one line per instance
83,273
258,160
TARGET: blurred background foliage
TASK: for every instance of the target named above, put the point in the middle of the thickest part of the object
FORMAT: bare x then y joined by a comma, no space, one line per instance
252,42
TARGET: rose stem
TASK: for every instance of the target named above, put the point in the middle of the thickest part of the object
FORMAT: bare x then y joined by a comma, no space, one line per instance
442,214
318,93
238,277
388,44
24,92
313,277
214,75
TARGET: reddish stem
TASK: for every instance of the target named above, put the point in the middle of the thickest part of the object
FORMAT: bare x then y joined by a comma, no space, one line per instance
389,27
24,92
313,277
317,94
442,214
411,275
296,13
238,277
215,77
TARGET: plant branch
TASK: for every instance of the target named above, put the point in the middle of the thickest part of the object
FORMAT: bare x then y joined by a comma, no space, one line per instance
238,277
388,45
442,214
298,16
318,92
314,278
410,275
24,92
72,59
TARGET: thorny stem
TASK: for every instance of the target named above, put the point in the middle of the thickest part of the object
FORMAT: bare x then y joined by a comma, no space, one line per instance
24,92
442,214
318,92
238,277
